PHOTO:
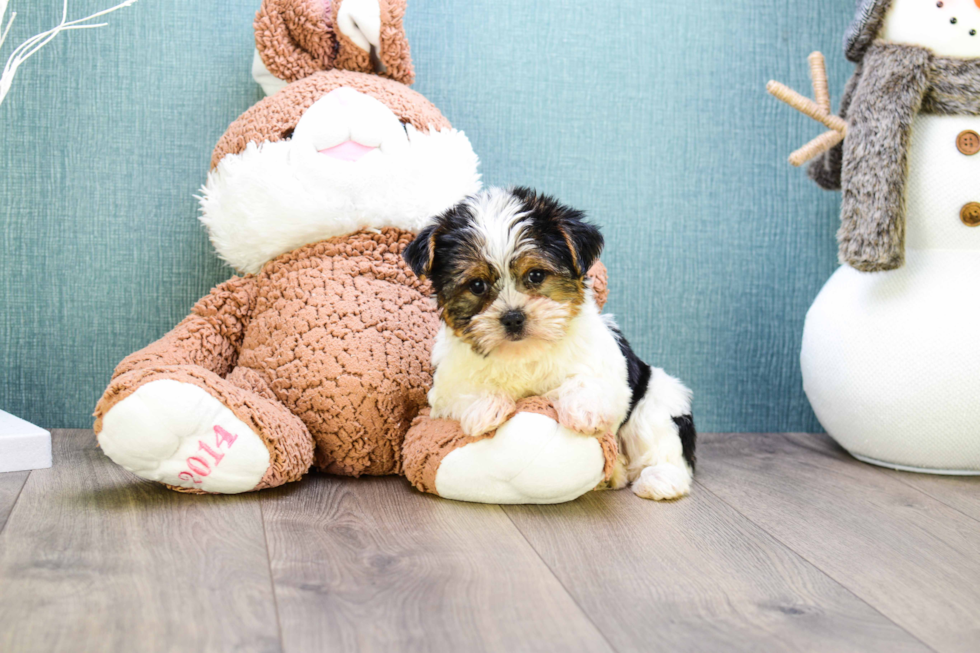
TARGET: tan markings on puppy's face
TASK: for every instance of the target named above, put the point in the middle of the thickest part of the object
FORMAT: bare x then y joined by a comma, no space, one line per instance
534,301
471,289
558,285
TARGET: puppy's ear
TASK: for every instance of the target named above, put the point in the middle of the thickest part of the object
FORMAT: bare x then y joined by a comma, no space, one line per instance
585,240
526,195
558,224
421,252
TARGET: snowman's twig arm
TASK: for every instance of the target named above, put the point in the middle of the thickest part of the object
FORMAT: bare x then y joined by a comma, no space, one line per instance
816,147
806,106
818,73
819,110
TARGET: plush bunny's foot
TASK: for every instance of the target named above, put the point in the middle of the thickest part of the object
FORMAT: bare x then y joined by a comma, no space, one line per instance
662,482
195,431
178,434
529,459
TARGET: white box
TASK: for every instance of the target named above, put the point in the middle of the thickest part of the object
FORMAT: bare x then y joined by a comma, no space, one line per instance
23,445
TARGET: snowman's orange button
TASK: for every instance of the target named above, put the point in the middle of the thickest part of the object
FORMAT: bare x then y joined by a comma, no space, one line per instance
970,214
968,142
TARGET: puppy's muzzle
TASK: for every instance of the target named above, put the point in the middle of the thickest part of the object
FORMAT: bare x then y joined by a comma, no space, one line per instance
513,322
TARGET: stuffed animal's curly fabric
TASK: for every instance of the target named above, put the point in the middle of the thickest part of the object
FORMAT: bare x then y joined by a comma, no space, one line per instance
319,354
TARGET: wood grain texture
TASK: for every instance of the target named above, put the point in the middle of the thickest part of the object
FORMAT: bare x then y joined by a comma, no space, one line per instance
371,565
93,559
958,492
10,486
694,575
913,558
787,544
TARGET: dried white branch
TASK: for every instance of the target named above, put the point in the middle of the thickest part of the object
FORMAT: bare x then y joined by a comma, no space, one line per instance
5,30
31,46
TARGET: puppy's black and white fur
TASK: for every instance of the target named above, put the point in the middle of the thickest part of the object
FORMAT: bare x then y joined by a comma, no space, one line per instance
509,269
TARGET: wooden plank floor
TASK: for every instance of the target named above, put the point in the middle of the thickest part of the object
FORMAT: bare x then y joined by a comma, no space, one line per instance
786,544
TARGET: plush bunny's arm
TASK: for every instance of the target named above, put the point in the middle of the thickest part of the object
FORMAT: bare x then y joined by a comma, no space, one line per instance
598,276
209,337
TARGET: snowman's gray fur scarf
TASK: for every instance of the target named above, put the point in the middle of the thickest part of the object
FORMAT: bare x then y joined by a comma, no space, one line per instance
892,84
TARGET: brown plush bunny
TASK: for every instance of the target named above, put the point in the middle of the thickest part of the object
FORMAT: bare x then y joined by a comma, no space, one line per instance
319,354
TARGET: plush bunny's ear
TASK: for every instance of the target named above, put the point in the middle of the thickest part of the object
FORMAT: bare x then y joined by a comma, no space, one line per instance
371,38
294,38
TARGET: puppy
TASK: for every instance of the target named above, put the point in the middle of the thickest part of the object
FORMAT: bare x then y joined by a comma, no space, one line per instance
509,270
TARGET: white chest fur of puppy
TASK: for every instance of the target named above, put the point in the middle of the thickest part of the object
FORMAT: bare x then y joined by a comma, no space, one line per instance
583,373
519,319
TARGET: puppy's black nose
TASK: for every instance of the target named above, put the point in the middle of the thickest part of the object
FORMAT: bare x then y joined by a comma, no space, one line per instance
513,320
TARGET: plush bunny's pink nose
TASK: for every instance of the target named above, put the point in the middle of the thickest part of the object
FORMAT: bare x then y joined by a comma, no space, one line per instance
348,151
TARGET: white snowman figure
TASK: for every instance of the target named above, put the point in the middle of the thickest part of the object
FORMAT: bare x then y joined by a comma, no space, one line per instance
891,345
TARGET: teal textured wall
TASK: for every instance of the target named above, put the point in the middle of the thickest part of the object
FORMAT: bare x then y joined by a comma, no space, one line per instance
649,114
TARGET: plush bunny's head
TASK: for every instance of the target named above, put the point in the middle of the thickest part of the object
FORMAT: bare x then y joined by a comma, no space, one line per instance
332,153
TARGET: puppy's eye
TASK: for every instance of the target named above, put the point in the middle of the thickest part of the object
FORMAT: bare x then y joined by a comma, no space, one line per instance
478,286
534,277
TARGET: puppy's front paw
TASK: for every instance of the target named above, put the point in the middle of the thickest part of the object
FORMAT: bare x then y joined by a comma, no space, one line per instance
581,411
486,414
662,482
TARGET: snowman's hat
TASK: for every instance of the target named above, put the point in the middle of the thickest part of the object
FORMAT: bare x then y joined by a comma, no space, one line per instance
867,23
